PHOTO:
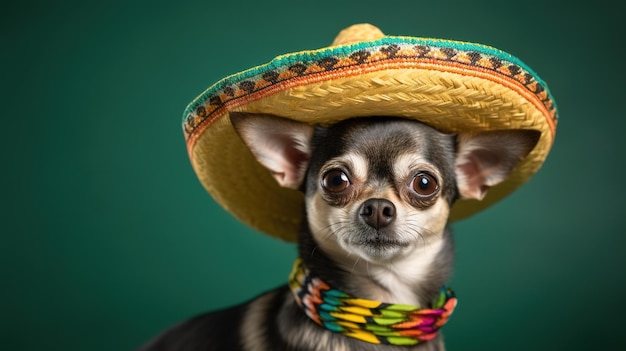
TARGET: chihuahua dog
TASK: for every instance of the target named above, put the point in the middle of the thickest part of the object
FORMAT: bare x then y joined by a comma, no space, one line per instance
378,192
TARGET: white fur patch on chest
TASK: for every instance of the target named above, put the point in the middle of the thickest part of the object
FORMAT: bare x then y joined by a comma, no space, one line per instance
400,278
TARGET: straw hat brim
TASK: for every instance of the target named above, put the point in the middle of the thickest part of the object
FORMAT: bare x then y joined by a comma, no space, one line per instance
456,87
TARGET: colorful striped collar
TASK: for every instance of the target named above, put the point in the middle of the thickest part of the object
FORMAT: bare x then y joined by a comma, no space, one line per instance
370,321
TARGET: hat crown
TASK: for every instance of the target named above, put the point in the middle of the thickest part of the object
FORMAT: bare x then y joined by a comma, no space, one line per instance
358,32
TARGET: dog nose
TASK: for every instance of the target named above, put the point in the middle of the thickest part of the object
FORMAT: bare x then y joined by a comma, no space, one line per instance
378,213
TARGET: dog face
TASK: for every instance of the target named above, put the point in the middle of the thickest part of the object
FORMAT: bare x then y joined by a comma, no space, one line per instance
380,188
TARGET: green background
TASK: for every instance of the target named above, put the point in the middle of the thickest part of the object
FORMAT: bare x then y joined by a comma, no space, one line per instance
108,237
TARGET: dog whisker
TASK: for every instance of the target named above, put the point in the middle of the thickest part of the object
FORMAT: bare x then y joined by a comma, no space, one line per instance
419,232
356,262
313,251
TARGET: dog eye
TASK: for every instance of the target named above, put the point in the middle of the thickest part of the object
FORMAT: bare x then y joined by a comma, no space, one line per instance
335,181
424,184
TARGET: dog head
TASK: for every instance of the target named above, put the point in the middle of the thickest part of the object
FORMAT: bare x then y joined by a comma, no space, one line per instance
378,188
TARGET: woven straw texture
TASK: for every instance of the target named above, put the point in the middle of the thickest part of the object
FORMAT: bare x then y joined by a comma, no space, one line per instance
456,87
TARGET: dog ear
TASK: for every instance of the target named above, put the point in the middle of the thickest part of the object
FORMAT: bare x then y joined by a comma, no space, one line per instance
486,159
281,145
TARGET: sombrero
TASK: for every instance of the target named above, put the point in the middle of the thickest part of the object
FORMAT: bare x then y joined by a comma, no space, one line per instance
454,86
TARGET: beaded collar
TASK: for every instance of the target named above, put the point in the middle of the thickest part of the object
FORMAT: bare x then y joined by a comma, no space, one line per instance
370,321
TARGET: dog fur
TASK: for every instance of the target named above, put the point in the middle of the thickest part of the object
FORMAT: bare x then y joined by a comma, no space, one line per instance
370,229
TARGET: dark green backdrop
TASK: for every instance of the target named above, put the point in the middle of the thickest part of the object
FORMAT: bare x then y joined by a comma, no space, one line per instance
107,236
